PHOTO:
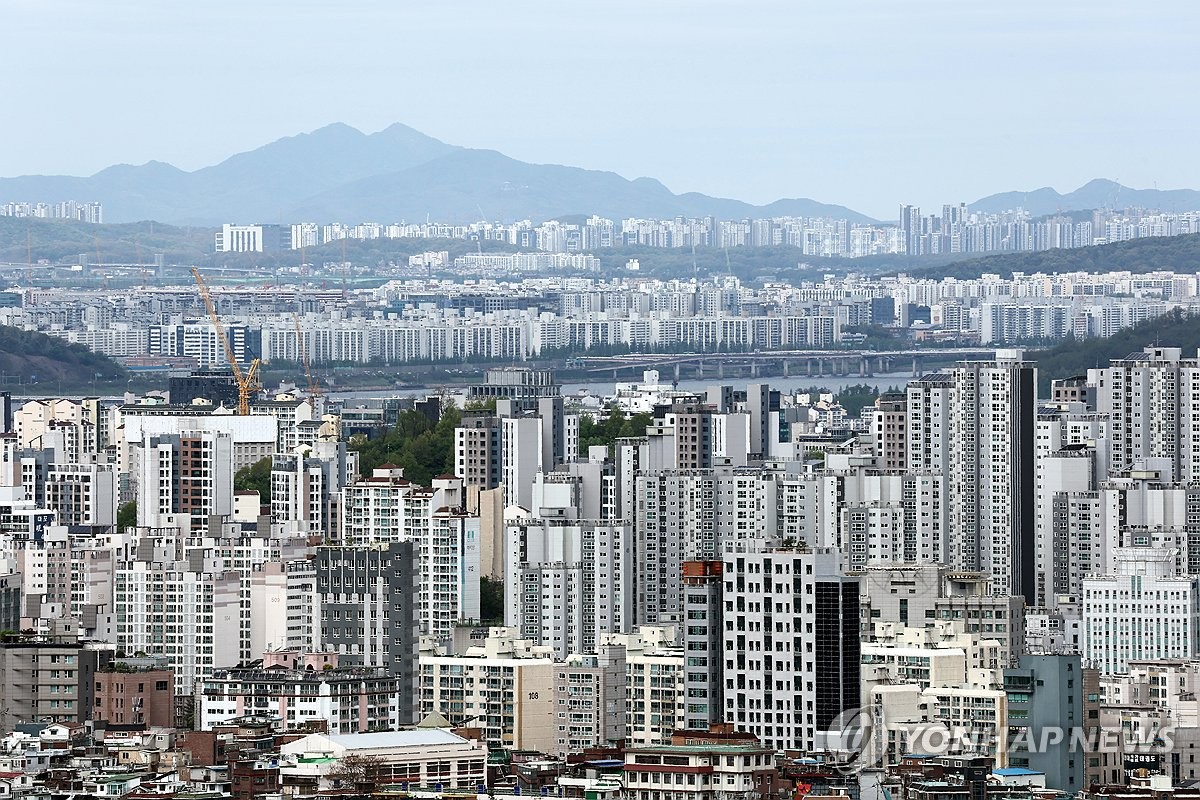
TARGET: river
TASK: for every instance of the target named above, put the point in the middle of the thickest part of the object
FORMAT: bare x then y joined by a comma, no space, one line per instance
896,380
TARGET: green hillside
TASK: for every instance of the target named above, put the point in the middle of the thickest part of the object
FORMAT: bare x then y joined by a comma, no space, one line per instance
35,358
1178,253
1077,357
23,240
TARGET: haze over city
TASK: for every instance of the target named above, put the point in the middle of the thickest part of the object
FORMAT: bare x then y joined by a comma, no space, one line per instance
865,105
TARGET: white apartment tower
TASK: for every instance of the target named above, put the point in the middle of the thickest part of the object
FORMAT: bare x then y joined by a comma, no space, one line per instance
990,477
791,658
1154,401
182,610
565,581
190,474
387,508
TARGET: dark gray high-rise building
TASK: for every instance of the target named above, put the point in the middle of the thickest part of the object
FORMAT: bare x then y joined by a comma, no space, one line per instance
10,602
217,386
368,604
48,679
6,412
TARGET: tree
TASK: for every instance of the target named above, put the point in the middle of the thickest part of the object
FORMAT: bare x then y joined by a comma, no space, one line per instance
1075,357
857,396
355,771
255,478
127,516
491,600
481,404
616,425
423,447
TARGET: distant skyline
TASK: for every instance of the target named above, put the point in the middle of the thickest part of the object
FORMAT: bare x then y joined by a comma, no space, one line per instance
867,105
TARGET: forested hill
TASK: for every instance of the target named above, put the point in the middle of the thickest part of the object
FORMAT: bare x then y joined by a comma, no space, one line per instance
1179,253
1077,357
27,356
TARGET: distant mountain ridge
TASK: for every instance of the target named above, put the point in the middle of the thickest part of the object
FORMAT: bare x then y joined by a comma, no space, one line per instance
1098,193
338,173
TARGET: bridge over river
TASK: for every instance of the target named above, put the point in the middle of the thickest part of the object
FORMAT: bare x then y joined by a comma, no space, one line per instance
814,363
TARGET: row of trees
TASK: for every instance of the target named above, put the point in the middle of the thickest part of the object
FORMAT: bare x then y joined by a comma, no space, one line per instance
605,432
1177,253
1077,356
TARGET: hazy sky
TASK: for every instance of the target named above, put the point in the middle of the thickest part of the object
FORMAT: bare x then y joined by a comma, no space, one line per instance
868,103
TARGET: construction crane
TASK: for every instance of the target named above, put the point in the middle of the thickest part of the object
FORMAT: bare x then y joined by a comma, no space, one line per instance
314,388
247,382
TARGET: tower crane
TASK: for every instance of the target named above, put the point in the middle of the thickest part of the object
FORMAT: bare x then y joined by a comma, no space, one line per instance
247,382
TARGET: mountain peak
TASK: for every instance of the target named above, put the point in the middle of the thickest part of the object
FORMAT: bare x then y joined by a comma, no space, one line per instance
336,127
159,168
399,133
1096,193
1101,183
338,173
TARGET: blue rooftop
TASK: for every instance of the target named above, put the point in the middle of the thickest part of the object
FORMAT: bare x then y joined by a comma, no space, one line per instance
1013,771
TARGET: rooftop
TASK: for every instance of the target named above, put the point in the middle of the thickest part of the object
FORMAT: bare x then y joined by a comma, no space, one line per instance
413,738
700,748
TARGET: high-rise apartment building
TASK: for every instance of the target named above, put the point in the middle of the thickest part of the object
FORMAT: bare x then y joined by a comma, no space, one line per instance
388,508
189,474
589,700
925,593
306,486
566,581
1153,399
504,686
284,606
681,436
991,477
369,611
889,424
477,450
703,633
189,611
790,653
655,670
